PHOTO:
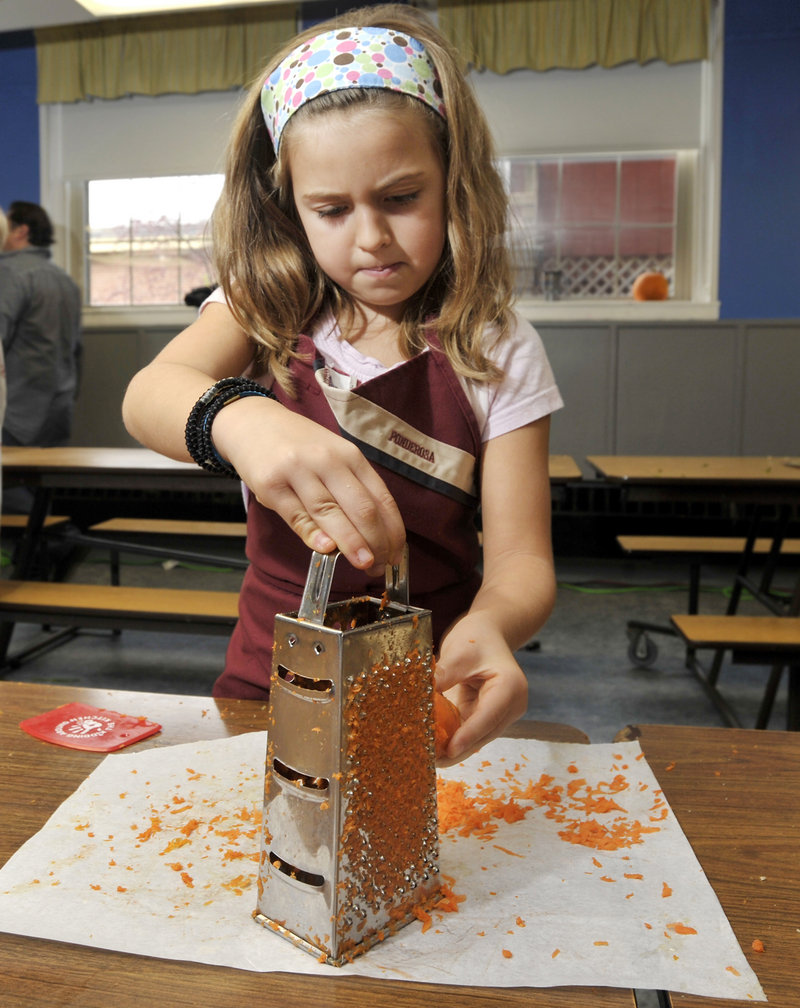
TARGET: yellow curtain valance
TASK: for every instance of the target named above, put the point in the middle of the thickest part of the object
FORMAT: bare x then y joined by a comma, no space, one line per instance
212,50
506,35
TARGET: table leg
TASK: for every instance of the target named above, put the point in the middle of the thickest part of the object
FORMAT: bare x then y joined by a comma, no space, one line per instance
793,700
25,555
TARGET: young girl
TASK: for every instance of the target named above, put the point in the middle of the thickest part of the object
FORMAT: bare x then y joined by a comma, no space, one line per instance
386,390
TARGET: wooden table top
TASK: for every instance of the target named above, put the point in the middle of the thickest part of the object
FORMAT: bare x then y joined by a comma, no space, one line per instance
121,459
736,794
564,469
106,469
36,777
22,461
758,469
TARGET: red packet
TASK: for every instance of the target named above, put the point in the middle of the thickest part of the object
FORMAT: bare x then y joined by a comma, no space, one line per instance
79,726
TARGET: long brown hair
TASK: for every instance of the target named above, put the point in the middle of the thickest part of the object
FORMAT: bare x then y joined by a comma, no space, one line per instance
265,265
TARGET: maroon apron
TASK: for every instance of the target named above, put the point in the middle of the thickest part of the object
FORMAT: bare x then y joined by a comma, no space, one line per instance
417,428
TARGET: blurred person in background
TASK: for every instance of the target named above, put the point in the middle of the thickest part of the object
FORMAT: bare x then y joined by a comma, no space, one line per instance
40,328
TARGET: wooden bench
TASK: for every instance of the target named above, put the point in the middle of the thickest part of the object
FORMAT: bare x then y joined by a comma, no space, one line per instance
733,545
115,534
20,521
82,606
171,527
755,640
697,549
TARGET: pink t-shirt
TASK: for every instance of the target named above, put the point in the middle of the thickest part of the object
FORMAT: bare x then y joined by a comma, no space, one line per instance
527,391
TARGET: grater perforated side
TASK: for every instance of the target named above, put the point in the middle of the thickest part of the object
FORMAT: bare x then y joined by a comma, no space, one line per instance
350,831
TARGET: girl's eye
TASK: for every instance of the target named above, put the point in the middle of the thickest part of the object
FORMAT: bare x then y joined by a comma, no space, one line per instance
336,211
404,198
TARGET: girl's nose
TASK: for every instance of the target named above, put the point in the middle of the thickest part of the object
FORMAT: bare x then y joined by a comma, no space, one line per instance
372,230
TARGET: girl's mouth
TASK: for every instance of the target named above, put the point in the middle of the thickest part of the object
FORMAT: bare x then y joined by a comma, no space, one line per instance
381,271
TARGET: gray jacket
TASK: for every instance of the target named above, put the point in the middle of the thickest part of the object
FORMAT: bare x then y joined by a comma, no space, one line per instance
40,327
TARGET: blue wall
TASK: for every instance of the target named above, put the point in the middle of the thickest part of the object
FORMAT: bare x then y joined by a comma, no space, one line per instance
19,118
759,269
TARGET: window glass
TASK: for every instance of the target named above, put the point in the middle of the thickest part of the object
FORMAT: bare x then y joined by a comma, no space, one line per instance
586,227
147,238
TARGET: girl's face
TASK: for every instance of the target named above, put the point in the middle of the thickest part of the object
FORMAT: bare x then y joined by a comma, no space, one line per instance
369,187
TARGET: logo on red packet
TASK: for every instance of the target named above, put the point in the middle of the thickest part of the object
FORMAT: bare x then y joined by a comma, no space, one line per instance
79,726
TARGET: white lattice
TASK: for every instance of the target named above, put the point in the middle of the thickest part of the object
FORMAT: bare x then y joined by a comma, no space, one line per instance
588,276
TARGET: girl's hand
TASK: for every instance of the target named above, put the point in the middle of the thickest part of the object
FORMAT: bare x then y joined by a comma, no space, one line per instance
478,672
318,482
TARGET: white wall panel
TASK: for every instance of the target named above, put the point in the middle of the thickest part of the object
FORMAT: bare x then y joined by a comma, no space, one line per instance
630,107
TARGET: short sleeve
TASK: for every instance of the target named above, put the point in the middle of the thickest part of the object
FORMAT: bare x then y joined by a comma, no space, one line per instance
527,391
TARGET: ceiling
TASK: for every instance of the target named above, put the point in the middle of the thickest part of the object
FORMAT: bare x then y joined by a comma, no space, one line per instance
18,15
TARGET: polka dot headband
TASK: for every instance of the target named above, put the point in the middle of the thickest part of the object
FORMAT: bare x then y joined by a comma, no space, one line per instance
348,58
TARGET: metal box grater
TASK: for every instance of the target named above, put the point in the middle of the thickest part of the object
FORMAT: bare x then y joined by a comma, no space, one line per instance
350,833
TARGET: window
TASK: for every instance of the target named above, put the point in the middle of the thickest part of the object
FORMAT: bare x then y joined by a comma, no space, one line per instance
147,238
587,226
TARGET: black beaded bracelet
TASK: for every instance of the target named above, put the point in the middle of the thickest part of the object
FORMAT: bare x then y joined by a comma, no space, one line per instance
198,426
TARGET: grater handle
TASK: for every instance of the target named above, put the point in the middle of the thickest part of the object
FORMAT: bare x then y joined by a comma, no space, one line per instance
397,580
320,576
318,587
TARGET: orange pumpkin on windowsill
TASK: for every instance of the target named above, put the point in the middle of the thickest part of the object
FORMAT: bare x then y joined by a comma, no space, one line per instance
651,286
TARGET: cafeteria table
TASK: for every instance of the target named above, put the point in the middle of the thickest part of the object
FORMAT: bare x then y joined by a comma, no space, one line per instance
765,488
35,778
95,471
736,793
92,473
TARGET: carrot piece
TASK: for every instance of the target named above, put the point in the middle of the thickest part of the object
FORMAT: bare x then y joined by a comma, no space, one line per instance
758,945
424,916
446,721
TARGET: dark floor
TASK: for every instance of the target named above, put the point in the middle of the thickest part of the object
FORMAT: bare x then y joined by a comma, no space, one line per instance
580,672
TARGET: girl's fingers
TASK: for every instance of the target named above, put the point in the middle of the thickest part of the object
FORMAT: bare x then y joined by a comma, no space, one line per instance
320,516
371,511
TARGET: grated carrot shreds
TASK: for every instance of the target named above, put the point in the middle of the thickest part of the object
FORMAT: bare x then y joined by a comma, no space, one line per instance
555,952
473,815
505,850
614,836
732,969
424,916
175,844
758,945
681,929
150,832
665,890
507,954
473,812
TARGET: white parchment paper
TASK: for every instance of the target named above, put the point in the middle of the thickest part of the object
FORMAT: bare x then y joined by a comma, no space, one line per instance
156,854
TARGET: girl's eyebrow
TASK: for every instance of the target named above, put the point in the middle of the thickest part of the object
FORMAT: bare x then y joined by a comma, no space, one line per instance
412,178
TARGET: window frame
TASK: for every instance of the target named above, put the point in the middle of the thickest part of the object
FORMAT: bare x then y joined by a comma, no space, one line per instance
681,224
700,215
86,255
